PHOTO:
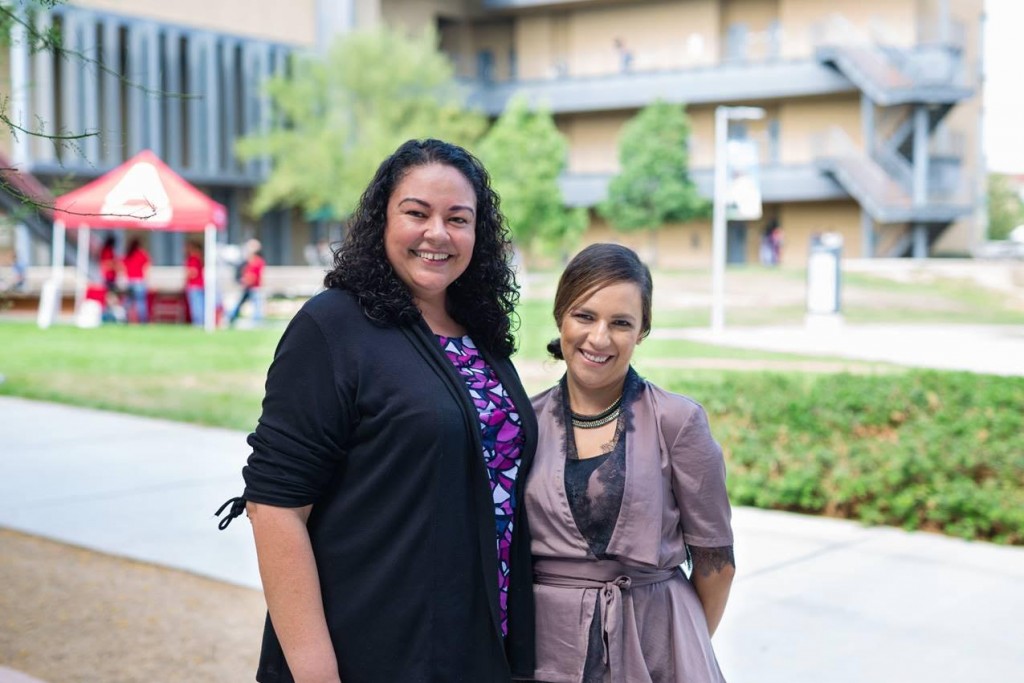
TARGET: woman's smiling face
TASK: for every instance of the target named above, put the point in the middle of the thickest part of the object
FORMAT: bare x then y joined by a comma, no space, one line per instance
598,335
431,229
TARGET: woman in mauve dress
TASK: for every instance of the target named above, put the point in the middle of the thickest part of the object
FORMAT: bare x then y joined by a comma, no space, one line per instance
627,485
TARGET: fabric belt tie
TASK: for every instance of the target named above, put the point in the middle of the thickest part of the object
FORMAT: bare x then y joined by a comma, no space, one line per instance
237,508
611,579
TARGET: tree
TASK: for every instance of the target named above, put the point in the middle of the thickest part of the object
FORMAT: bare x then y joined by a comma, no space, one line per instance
18,28
1005,207
339,115
653,186
525,154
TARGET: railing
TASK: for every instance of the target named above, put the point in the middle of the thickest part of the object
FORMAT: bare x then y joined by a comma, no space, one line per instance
888,177
934,31
895,164
774,43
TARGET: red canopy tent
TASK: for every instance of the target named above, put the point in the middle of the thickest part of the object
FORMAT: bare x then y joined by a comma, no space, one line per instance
143,193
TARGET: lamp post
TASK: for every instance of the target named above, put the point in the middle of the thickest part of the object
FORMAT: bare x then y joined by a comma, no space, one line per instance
723,115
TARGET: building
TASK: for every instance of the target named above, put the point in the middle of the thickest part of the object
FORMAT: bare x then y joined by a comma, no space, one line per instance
873,126
873,107
182,79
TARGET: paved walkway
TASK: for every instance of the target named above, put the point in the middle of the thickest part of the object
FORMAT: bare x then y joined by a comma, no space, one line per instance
815,600
993,349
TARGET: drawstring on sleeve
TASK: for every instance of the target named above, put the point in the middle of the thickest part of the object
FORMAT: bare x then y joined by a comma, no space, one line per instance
237,508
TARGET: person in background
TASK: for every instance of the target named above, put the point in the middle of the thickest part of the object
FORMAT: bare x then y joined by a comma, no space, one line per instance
194,283
628,484
136,268
625,55
251,279
776,240
108,263
387,467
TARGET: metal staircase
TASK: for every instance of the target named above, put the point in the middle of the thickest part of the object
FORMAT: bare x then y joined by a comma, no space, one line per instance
888,80
881,187
894,175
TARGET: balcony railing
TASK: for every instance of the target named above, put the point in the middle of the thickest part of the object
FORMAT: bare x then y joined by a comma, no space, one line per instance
776,42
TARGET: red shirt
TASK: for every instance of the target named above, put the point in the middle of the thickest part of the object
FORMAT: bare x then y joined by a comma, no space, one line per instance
193,271
252,274
135,264
108,264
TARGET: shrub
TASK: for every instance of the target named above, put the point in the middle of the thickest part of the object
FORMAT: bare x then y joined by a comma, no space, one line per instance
928,450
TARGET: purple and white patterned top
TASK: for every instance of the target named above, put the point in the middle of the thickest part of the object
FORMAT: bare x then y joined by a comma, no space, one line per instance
502,436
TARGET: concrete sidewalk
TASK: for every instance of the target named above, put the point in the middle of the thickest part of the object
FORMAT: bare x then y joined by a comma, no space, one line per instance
991,349
815,600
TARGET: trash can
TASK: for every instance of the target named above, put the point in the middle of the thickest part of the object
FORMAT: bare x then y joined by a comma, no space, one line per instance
823,275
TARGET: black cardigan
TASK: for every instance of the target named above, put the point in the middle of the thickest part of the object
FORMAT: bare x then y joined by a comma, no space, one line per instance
374,427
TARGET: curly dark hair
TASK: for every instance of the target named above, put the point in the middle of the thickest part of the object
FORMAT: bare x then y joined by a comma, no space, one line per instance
482,299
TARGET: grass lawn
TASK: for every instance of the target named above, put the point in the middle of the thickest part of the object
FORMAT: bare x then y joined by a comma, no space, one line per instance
180,373
217,379
173,372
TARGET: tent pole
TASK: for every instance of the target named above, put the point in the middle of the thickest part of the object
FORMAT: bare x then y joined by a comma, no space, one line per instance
49,298
209,278
59,235
82,267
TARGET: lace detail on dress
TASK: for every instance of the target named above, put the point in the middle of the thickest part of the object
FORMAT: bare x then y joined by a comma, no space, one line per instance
594,486
708,561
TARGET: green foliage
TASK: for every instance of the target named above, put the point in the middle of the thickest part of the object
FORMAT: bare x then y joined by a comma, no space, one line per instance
339,116
922,450
925,450
653,186
525,154
1005,208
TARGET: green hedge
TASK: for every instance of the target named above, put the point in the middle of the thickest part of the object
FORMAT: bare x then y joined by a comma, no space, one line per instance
928,450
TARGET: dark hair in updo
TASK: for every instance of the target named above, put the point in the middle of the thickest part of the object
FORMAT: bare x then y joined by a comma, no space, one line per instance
597,266
482,299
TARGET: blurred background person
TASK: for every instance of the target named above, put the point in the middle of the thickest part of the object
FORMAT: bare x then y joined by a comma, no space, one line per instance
194,283
136,268
251,278
108,263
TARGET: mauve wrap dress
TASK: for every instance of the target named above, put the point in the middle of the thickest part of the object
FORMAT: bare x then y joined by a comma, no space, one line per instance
650,620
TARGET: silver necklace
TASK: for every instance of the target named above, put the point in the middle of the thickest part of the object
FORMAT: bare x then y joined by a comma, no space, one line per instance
607,415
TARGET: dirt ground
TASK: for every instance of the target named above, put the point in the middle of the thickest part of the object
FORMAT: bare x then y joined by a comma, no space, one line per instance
68,615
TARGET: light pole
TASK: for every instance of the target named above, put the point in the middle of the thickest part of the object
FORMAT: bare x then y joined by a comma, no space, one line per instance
723,115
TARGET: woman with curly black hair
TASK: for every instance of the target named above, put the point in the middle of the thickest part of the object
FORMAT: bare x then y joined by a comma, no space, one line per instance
389,460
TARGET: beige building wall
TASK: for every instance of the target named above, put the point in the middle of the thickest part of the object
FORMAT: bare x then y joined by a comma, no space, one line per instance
540,45
688,245
291,22
961,134
803,21
677,245
415,15
499,38
656,33
805,123
581,42
593,140
702,136
799,221
758,18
